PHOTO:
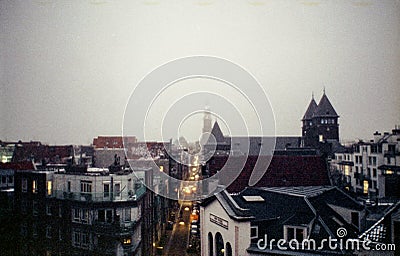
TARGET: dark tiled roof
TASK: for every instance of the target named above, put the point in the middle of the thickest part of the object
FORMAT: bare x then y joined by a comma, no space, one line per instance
26,165
39,152
310,110
325,108
378,233
297,206
283,171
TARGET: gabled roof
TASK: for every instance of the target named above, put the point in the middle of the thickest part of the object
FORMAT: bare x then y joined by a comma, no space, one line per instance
216,131
325,108
310,110
299,206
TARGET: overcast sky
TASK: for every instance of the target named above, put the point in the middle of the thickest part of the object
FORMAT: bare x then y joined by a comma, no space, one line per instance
68,67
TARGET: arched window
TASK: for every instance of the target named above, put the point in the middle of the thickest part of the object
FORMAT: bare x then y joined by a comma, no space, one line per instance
219,244
210,244
228,250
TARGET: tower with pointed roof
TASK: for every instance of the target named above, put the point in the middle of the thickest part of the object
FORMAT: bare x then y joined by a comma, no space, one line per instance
320,123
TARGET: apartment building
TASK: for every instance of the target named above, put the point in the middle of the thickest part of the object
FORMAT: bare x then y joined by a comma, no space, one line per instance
371,168
83,211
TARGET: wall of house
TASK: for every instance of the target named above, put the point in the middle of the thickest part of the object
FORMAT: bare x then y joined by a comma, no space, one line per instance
237,233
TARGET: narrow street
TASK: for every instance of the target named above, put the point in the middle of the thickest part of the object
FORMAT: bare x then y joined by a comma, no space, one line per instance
178,241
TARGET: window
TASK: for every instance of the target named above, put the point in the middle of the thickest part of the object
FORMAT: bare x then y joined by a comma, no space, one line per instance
76,214
85,216
86,187
24,205
76,239
127,241
109,216
106,190
127,215
117,189
291,232
346,170
48,231
34,229
35,208
84,240
101,216
321,138
24,185
355,218
48,209
374,184
69,186
253,232
374,172
4,179
34,186
49,187
10,179
365,187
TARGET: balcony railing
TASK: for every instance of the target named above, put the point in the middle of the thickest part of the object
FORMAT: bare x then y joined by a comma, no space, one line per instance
131,195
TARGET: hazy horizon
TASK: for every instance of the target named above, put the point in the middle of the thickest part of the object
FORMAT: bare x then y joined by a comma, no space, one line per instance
67,68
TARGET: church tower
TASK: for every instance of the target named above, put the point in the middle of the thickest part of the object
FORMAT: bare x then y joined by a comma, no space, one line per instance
320,123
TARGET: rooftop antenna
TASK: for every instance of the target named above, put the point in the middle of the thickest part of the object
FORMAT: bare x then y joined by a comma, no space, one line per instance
312,95
324,89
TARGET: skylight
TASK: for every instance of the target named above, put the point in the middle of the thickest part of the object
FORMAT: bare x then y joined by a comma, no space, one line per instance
253,198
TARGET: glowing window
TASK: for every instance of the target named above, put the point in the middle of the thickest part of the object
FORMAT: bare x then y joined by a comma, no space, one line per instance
161,168
346,170
366,185
49,187
127,241
34,186
321,138
389,172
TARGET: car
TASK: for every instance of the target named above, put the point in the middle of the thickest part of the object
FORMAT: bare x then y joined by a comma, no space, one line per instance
170,225
194,231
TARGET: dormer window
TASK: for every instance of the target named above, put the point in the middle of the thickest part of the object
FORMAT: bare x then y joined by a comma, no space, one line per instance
298,233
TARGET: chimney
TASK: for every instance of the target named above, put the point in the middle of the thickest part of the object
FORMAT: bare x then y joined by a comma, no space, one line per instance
377,136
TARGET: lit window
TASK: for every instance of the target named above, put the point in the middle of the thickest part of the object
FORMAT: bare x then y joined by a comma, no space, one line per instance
346,170
34,186
127,241
389,172
49,187
321,138
366,186
161,168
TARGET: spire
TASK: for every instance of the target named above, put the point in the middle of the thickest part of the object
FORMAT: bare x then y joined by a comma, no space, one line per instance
325,108
216,131
310,110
